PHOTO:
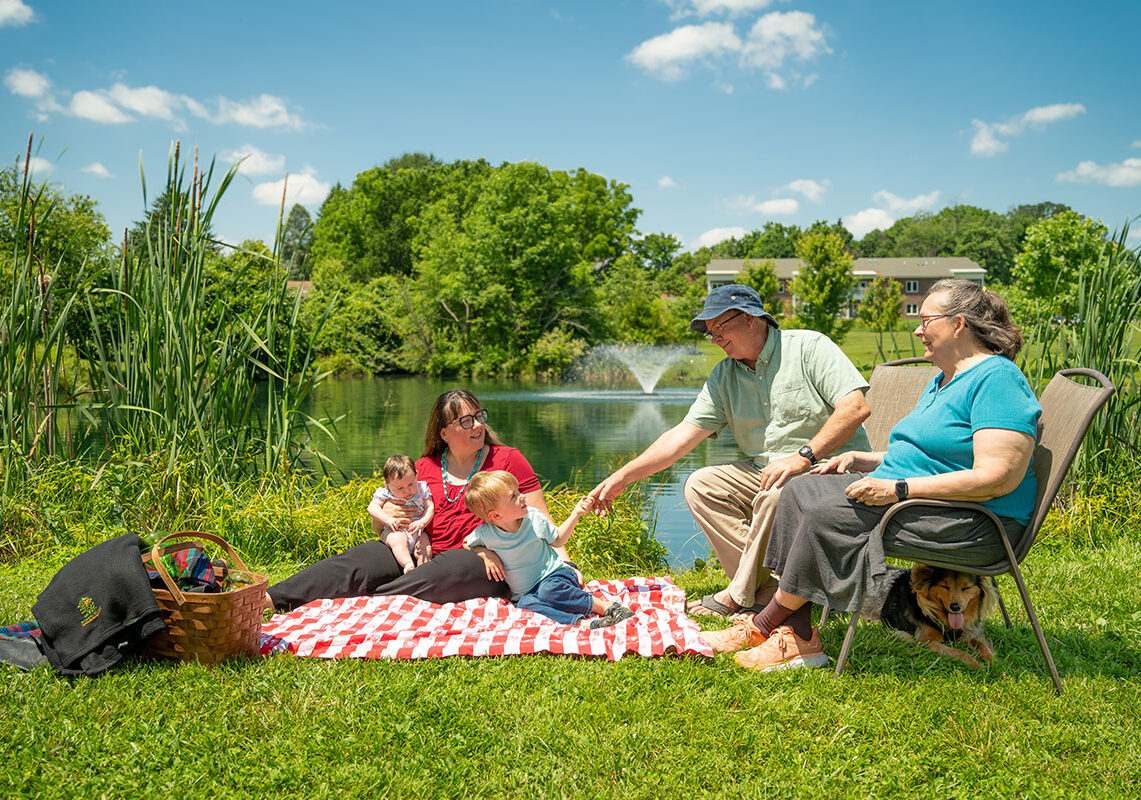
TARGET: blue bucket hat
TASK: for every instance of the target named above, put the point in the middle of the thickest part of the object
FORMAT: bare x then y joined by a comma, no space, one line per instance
728,297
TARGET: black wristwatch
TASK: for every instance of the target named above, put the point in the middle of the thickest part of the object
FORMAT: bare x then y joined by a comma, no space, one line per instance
901,489
806,452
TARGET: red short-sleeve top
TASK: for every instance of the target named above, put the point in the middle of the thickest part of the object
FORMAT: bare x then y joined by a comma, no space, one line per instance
452,522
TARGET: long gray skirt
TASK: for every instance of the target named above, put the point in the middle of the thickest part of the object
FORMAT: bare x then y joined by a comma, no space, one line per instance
820,540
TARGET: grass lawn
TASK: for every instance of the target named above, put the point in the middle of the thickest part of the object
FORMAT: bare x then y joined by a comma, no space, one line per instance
900,722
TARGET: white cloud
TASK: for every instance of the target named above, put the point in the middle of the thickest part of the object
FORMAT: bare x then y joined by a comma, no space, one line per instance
812,191
904,205
98,170
39,166
727,88
304,189
863,222
122,103
666,182
149,101
263,111
257,162
26,82
667,55
775,81
778,36
15,12
1044,115
704,8
1127,173
781,205
1134,234
985,142
715,235
1137,142
97,108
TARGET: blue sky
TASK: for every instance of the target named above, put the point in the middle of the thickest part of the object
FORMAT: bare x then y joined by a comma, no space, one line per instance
719,114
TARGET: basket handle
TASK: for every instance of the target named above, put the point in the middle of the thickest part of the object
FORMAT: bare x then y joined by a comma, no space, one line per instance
163,573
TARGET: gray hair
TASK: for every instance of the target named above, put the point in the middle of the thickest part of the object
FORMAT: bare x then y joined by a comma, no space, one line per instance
985,312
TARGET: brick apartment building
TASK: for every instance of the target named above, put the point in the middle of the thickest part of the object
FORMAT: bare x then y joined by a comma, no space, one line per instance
915,276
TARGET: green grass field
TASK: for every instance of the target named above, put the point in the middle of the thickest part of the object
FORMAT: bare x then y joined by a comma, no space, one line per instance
900,722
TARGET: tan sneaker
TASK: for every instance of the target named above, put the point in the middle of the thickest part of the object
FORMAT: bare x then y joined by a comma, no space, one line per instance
743,634
784,650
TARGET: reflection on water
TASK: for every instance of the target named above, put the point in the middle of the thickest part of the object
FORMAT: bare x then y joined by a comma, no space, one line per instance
573,436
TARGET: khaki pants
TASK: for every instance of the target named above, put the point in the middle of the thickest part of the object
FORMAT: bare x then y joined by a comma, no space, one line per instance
736,515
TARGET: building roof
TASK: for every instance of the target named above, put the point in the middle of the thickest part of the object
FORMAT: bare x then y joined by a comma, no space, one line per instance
937,267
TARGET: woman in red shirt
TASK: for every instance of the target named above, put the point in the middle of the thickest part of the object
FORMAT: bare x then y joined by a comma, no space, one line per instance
457,444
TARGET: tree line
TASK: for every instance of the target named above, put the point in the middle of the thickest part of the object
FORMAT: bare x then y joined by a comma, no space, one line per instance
466,267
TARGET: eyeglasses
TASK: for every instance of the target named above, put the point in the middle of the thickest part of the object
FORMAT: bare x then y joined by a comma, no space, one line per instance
713,333
924,321
467,421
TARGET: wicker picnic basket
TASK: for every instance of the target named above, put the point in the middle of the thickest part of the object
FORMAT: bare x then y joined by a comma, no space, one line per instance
208,628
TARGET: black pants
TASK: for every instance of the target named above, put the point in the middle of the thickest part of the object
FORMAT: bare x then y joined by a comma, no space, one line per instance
372,569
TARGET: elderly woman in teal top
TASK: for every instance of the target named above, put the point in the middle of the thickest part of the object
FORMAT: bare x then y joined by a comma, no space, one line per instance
970,437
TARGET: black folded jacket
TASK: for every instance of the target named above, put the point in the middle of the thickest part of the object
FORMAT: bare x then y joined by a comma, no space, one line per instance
98,605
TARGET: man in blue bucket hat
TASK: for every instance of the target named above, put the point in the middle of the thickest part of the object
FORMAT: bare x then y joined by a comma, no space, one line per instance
789,398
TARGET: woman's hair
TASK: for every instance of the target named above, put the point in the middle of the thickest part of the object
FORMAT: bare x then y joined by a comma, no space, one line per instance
447,408
987,316
397,466
485,490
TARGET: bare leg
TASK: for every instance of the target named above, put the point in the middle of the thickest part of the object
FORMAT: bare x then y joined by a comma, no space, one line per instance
397,541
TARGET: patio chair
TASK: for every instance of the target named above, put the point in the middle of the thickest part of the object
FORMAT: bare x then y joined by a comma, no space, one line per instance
1068,408
893,391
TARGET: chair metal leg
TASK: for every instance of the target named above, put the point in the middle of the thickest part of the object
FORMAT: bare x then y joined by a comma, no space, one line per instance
1002,607
847,646
1045,648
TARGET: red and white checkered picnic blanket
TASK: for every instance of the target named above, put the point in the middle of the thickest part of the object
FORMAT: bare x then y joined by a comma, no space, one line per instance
404,627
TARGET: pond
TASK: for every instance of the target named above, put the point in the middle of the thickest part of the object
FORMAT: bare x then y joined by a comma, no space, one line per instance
570,433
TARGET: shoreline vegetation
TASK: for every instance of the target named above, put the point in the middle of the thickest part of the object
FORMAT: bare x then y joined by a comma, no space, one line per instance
154,355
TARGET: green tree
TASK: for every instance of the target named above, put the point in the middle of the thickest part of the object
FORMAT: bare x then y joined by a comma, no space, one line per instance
296,240
633,309
1054,255
824,285
773,240
491,280
762,276
880,309
71,234
657,250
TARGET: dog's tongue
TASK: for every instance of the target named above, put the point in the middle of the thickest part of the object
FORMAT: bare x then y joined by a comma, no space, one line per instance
955,621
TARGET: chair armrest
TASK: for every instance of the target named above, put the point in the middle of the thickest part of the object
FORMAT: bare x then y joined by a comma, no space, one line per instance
876,549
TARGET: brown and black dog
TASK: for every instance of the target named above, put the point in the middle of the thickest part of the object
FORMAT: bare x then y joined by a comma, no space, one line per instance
935,606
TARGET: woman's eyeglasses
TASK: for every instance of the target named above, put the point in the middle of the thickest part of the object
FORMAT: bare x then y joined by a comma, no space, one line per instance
924,321
467,421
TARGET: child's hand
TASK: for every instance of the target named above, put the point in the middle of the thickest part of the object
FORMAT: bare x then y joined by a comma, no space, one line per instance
585,505
493,564
416,525
423,551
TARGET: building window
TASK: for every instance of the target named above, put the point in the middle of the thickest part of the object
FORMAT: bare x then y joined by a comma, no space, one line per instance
911,287
912,309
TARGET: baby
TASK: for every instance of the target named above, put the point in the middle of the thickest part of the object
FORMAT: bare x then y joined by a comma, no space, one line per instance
517,545
405,538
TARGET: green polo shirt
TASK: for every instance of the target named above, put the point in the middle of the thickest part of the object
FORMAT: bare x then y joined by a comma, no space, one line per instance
774,410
